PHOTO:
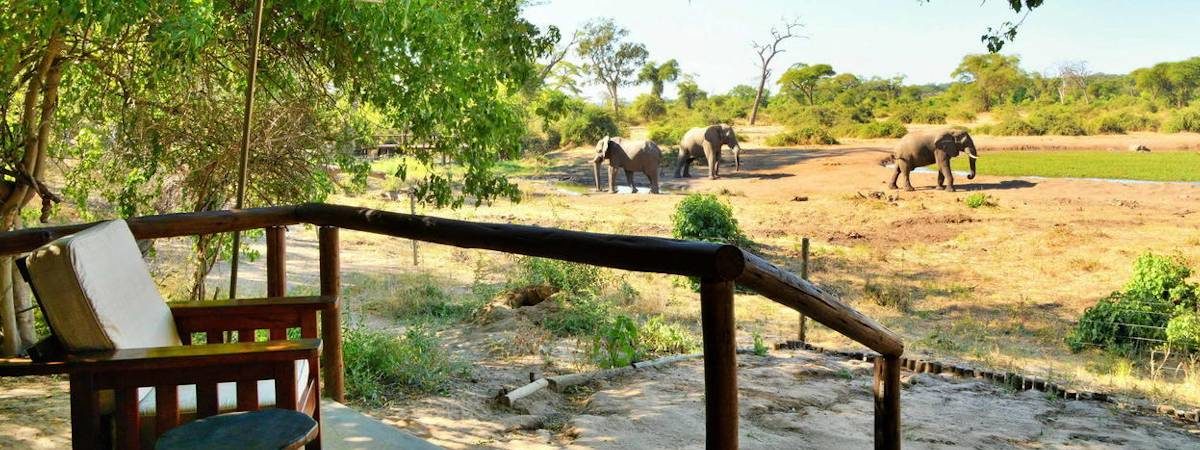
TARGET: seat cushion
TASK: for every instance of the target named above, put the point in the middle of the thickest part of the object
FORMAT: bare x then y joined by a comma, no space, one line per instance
97,292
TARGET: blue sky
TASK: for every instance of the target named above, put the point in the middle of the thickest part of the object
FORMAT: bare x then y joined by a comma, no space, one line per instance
923,41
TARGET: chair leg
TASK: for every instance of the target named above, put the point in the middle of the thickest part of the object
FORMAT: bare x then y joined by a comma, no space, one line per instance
85,413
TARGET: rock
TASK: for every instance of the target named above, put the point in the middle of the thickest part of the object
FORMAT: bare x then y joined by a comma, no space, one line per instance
800,198
521,422
1138,148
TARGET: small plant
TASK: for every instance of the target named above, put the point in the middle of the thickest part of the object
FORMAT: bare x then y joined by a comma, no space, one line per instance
617,344
760,345
580,315
888,295
568,277
845,374
979,200
381,366
659,337
1183,331
704,217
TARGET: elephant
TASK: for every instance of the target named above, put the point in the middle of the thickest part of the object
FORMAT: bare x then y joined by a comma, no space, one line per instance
707,142
633,156
922,148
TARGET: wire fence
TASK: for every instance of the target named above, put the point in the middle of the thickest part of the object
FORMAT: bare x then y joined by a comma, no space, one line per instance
1139,331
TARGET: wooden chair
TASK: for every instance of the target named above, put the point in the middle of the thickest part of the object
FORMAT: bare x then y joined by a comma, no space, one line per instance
134,371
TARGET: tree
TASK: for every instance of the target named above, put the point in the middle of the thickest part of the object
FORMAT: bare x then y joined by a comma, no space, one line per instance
989,77
141,96
649,107
801,80
996,37
611,61
1072,76
767,51
658,75
689,91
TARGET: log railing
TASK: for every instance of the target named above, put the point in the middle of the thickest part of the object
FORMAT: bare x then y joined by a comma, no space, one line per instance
718,266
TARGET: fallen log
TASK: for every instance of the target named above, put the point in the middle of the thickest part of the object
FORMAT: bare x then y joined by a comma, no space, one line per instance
523,391
667,360
560,382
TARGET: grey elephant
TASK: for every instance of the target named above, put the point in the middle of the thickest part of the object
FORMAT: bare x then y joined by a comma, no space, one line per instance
707,142
633,156
922,148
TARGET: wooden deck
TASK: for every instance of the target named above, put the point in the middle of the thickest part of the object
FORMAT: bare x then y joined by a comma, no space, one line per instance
343,428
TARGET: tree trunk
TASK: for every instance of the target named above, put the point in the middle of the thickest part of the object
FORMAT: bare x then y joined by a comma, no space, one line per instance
762,82
10,345
23,302
616,104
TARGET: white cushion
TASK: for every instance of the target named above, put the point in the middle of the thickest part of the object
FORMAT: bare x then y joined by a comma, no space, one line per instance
97,292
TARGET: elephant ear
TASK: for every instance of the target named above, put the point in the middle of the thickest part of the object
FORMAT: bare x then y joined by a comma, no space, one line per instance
948,144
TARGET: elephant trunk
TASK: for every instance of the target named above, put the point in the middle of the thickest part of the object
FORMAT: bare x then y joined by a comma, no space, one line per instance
596,173
737,158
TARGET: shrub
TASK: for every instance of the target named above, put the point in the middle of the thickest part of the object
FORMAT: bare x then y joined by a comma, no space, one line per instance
648,107
617,344
888,295
381,366
580,315
760,345
915,113
427,301
1157,293
806,135
979,200
704,217
569,277
660,337
1057,120
588,126
1187,119
962,114
885,129
1183,331
667,133
1121,122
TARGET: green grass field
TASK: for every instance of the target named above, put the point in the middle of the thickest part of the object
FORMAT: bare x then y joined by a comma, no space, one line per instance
1125,165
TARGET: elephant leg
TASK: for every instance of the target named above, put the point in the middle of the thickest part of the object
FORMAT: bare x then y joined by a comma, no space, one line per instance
944,170
906,169
941,178
895,176
711,156
653,176
629,178
612,179
687,164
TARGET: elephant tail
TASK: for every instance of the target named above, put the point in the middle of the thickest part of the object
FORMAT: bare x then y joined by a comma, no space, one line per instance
887,160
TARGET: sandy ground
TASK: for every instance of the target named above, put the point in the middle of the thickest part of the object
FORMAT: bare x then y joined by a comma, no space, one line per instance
995,286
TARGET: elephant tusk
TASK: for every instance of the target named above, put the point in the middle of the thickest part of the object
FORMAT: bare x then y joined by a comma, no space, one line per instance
972,156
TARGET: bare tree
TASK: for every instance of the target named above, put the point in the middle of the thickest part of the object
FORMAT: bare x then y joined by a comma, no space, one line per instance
556,56
767,51
1073,75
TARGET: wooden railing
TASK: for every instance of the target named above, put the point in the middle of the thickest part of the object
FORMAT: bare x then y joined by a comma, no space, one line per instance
719,268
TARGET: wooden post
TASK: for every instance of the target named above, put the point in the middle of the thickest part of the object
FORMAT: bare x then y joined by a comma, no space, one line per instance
276,262
804,275
412,209
720,364
331,322
887,402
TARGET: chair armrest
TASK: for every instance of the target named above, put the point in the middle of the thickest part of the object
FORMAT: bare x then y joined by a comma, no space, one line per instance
252,305
191,356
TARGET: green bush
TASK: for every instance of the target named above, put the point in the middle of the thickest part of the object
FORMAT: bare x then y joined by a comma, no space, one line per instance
962,114
704,217
1121,122
979,200
885,129
427,301
760,345
588,126
805,135
381,367
888,295
659,337
667,133
916,113
1057,120
569,277
647,107
1183,331
616,345
1157,293
1187,119
580,315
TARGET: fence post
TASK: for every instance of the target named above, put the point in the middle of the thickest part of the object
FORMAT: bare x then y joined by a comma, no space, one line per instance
804,275
887,402
331,321
276,262
720,364
412,209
